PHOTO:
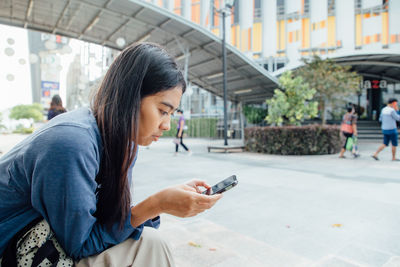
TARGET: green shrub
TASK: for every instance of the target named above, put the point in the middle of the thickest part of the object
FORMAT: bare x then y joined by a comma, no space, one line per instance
22,130
254,115
294,140
196,127
33,111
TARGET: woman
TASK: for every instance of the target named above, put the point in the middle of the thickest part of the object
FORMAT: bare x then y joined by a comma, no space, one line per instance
56,107
76,171
179,133
348,129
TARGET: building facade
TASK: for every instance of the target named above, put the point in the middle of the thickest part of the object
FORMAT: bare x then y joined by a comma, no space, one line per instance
280,32
277,34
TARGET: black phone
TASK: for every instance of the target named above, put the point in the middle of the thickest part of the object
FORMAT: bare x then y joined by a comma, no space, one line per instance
222,186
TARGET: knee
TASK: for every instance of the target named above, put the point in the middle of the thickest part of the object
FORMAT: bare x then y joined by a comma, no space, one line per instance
154,238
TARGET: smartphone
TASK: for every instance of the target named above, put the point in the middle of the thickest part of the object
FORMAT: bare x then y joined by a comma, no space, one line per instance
222,186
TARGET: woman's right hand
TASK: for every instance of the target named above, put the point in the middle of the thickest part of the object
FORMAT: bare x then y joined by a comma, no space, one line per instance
184,200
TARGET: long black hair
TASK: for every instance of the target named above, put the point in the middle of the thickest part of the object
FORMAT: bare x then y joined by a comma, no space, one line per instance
142,69
56,103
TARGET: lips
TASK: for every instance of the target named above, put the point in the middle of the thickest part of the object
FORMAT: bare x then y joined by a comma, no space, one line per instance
156,137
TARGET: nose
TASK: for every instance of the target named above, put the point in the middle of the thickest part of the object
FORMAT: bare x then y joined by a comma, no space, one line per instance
166,124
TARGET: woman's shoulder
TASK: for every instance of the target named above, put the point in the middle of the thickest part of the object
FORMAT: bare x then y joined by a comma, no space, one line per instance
75,128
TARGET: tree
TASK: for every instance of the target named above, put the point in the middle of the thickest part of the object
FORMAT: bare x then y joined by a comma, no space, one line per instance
291,104
331,81
33,111
254,114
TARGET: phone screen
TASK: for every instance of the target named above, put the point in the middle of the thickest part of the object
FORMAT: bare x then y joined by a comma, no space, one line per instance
222,186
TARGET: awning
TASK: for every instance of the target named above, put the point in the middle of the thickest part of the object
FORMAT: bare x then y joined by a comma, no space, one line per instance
104,21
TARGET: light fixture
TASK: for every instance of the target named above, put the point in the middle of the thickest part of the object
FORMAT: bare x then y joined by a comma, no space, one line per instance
9,51
29,9
243,91
33,58
180,57
120,42
10,77
93,23
10,41
214,75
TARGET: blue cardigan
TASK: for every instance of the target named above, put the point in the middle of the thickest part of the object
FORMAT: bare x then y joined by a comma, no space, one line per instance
52,174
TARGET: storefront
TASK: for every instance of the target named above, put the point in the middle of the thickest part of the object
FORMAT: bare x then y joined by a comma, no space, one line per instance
374,96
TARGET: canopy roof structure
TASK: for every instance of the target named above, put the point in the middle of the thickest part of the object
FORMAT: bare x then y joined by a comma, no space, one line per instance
104,21
383,66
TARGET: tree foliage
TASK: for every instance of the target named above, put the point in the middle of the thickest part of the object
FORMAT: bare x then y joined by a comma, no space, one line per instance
331,81
33,111
291,104
254,115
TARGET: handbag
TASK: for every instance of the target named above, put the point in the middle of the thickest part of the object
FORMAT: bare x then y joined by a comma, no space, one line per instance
350,143
176,141
35,245
348,128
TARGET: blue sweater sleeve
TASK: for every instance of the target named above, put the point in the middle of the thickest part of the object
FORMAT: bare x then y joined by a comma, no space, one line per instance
63,191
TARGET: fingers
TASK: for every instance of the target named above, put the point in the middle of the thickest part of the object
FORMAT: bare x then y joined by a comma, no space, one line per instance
190,188
206,202
197,183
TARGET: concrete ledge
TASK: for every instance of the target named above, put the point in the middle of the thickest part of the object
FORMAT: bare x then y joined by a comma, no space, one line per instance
226,149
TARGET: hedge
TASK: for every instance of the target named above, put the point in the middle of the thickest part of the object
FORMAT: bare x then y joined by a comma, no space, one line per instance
196,127
294,140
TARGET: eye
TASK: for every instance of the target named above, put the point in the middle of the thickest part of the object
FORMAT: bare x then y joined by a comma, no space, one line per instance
164,113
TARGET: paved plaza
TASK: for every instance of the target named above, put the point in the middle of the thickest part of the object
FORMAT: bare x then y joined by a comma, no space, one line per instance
285,211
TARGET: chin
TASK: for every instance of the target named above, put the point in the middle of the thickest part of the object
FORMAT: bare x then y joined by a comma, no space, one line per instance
145,142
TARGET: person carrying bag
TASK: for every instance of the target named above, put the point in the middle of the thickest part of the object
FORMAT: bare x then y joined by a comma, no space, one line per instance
348,129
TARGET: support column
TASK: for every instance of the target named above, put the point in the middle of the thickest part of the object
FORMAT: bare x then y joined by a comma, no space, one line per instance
186,9
269,35
246,19
204,12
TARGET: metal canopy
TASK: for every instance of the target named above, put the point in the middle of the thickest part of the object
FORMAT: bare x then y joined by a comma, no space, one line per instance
374,66
103,21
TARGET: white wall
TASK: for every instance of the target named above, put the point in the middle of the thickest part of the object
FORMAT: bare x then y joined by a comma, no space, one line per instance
345,24
268,11
394,21
292,6
319,12
204,12
371,3
246,11
246,18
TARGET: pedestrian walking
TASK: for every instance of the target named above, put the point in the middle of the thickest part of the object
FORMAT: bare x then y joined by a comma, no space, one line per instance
389,116
179,133
349,131
65,190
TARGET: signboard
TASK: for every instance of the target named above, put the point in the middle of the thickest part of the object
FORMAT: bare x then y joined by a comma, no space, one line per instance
374,84
49,89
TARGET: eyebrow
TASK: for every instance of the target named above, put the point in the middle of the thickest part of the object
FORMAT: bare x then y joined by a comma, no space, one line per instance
169,105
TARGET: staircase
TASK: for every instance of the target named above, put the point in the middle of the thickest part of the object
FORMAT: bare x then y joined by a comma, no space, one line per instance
369,130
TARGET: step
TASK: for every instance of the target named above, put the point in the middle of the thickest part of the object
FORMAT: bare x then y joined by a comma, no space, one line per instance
370,132
199,242
370,137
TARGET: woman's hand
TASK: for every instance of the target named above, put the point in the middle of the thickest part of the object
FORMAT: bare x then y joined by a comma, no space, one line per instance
185,200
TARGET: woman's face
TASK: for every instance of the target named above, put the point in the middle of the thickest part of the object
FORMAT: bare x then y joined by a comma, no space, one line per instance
155,114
